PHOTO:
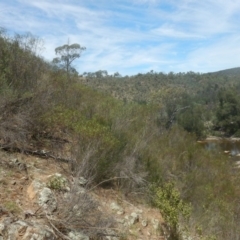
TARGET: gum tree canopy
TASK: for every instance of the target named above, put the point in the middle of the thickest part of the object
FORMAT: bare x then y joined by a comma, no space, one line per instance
68,53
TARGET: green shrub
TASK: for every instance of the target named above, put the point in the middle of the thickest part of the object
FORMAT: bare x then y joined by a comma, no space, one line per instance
57,182
167,199
12,207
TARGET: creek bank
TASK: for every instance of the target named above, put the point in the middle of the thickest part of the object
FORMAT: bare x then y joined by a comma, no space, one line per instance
214,138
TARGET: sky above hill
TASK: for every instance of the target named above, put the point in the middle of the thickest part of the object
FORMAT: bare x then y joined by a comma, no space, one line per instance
134,36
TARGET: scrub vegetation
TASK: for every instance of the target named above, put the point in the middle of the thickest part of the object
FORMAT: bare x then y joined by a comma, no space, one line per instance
137,134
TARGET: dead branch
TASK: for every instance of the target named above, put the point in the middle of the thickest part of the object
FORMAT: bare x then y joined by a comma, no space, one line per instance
107,180
11,107
61,235
39,153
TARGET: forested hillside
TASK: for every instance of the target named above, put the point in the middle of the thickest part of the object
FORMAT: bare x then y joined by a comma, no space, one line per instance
136,134
232,72
196,101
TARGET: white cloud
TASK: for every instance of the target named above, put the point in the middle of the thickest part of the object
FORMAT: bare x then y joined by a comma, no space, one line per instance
168,30
126,35
149,2
214,57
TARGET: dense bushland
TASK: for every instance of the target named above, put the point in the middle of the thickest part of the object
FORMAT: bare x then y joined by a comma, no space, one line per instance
134,146
190,99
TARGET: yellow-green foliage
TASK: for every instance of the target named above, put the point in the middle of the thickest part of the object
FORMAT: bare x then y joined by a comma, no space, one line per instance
89,129
57,182
12,207
167,199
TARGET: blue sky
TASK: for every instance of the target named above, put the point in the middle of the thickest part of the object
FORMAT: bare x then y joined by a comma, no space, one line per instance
134,36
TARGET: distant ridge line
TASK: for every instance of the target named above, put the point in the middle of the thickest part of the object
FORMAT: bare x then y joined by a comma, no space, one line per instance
228,72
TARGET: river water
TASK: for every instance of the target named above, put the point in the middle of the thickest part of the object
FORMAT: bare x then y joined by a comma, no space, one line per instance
230,146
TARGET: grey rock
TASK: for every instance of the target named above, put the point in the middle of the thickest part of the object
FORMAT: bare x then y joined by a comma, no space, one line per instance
76,190
28,213
14,182
139,211
37,185
120,212
2,227
186,237
126,221
27,230
77,210
112,238
82,181
122,221
144,223
14,161
155,223
134,218
47,200
134,232
73,235
81,190
8,220
115,207
111,235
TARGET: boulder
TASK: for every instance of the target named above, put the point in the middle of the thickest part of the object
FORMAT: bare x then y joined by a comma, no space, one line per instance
111,235
34,189
155,223
118,209
134,218
47,200
73,235
144,223
26,230
82,181
44,196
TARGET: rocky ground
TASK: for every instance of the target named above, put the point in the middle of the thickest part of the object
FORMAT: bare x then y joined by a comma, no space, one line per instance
40,200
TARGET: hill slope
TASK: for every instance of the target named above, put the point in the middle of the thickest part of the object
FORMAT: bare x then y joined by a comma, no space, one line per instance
231,72
142,144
